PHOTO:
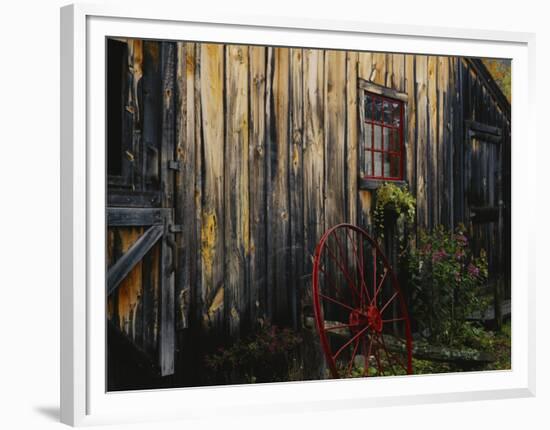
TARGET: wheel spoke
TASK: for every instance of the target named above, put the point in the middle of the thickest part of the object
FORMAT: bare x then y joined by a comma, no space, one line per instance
383,343
367,357
330,299
395,357
342,269
388,302
377,356
359,333
361,269
353,357
331,285
374,277
379,286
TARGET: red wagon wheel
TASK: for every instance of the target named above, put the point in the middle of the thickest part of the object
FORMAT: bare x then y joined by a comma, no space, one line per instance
360,313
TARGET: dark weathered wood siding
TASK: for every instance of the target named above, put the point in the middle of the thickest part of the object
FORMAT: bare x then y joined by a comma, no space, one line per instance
267,140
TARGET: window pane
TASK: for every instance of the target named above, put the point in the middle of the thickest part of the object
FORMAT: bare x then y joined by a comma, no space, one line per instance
388,112
369,106
368,163
396,113
394,166
368,136
377,137
388,136
378,164
378,109
382,145
367,148
386,165
394,140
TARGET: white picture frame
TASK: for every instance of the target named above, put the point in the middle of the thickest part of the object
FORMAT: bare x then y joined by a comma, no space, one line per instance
84,400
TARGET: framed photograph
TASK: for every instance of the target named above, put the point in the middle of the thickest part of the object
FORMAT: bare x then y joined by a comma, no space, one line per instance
263,214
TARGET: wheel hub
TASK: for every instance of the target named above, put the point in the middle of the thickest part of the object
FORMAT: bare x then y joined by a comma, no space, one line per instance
374,318
358,319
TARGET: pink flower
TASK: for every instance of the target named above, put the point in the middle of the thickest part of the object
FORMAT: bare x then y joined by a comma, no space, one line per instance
462,240
473,270
439,255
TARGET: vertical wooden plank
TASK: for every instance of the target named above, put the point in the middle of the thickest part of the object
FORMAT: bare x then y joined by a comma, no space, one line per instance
313,171
137,156
212,222
449,134
389,76
398,70
335,135
379,68
442,81
422,113
150,277
334,147
149,118
364,65
269,287
184,191
195,338
296,185
167,345
257,154
236,206
352,137
139,290
194,134
277,124
365,70
313,150
458,168
411,121
432,190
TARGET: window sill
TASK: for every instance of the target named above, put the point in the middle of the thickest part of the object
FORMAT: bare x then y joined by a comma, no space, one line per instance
373,184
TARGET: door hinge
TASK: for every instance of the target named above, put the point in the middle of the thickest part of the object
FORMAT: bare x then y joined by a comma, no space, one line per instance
175,228
174,165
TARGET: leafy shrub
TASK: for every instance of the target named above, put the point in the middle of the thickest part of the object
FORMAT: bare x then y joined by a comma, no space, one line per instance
395,200
447,283
266,356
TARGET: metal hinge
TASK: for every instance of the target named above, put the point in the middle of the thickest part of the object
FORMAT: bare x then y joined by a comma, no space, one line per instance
175,228
174,165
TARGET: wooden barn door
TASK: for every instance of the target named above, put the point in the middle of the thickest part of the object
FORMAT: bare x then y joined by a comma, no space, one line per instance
140,282
141,248
484,200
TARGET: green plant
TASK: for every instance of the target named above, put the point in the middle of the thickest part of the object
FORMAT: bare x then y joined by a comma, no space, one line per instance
395,201
268,355
447,284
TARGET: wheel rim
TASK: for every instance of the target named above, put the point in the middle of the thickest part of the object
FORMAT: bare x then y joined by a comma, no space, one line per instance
360,312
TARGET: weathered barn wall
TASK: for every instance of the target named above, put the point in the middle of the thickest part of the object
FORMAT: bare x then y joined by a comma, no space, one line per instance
267,140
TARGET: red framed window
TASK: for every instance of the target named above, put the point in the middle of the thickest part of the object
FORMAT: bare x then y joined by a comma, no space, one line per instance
383,149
